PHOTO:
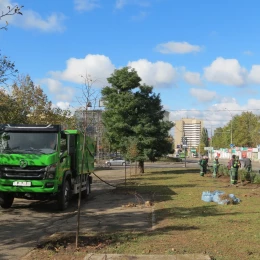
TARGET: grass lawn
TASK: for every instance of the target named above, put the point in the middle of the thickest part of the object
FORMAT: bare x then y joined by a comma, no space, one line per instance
182,223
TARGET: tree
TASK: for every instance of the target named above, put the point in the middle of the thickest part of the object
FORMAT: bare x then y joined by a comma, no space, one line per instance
28,104
7,69
10,11
8,104
134,112
244,130
220,138
204,139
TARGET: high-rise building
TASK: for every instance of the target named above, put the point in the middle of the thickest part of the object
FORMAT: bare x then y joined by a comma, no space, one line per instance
189,128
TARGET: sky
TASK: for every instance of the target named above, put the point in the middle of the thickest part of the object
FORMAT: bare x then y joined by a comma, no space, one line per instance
201,56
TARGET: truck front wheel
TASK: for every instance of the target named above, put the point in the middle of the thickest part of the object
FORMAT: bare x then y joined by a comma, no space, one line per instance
64,196
6,200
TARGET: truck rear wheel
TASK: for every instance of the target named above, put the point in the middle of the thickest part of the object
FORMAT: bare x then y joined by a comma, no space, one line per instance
64,196
6,200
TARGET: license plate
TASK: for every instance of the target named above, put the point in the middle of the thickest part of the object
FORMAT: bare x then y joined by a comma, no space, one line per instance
22,183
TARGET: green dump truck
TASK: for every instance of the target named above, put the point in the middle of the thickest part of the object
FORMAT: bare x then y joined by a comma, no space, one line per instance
44,162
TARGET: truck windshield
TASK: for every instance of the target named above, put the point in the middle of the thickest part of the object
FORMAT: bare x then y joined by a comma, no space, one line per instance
32,143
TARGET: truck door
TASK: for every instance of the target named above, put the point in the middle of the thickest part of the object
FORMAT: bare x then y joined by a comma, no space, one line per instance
72,152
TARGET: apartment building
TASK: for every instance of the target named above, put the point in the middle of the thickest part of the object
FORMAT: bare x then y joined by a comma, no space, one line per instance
191,129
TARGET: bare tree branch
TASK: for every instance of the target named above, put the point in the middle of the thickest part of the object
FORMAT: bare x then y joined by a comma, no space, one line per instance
10,11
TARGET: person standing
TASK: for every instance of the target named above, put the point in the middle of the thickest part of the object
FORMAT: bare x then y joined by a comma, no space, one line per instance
235,164
248,167
215,167
203,165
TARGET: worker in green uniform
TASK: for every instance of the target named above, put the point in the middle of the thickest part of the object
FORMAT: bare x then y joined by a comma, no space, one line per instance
203,165
235,164
215,167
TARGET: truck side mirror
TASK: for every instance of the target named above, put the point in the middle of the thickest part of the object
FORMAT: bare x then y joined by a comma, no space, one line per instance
71,144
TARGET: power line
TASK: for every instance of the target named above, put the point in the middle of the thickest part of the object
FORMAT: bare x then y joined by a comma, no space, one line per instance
202,110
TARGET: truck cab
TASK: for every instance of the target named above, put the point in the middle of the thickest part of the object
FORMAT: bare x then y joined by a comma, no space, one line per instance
44,162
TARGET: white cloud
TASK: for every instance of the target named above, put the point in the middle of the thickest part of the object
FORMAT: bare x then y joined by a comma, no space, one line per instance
254,75
120,4
229,108
253,104
63,105
53,85
177,47
86,5
98,67
193,78
33,20
59,91
140,16
226,71
249,53
156,74
203,95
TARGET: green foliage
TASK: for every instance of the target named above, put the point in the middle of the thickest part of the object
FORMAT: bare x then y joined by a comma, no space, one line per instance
252,177
244,175
223,170
133,117
204,137
204,140
7,70
245,132
257,178
27,104
170,159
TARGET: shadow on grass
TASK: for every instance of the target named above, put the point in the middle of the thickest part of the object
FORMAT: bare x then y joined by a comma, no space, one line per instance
158,231
194,212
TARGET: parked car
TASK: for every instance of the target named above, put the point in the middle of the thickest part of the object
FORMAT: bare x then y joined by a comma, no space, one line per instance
116,161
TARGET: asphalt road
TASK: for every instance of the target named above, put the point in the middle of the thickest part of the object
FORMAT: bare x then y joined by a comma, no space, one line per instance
27,223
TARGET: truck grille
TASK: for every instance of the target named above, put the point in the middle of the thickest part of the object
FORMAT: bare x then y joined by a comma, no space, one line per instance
15,172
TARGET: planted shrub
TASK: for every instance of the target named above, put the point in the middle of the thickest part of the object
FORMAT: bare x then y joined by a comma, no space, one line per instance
223,170
244,175
256,178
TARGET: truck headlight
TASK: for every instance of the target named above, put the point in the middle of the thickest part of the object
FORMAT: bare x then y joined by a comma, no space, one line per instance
50,171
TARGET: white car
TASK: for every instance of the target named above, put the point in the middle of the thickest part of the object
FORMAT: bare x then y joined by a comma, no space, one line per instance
116,161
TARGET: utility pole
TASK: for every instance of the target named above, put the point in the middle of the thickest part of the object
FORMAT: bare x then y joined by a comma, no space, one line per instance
184,145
